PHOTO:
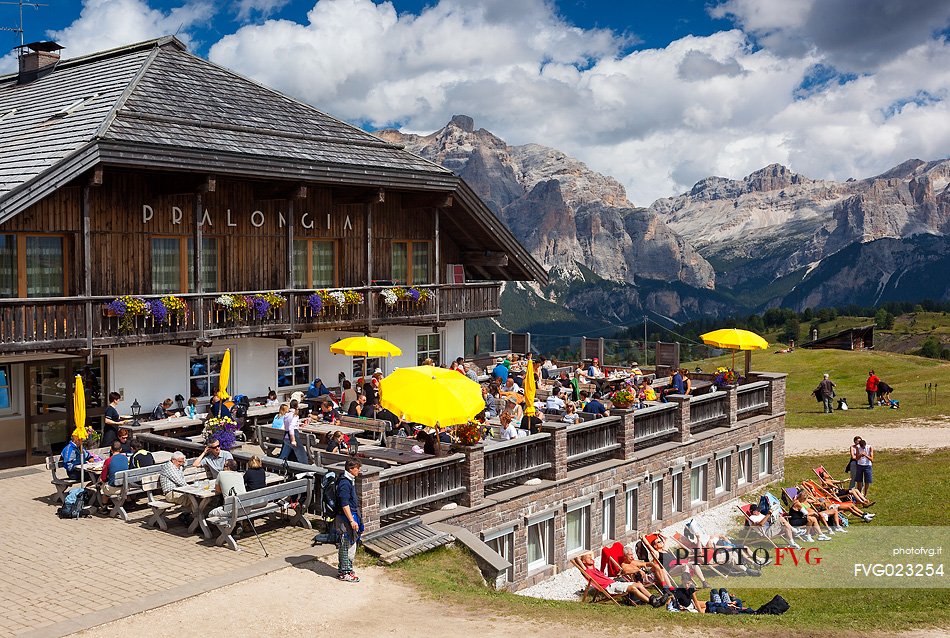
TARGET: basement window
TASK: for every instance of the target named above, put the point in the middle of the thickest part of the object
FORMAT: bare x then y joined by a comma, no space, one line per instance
72,108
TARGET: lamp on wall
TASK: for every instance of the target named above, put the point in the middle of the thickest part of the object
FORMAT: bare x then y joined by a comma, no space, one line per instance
136,412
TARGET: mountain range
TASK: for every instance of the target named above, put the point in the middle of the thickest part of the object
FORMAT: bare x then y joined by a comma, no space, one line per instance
726,247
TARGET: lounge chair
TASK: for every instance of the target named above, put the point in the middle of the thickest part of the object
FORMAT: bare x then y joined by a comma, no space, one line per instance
759,529
593,590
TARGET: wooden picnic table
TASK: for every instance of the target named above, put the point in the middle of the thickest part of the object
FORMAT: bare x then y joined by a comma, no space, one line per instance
202,494
399,457
328,428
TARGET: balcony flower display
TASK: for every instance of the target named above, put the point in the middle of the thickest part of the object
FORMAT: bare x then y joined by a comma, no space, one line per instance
338,298
224,429
259,305
392,295
315,303
622,399
128,307
725,377
469,433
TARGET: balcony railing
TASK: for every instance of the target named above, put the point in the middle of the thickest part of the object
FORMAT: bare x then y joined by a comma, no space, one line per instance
708,411
653,424
73,323
516,459
420,485
592,441
752,398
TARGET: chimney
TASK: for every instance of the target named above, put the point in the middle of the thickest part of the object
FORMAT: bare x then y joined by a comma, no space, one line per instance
37,59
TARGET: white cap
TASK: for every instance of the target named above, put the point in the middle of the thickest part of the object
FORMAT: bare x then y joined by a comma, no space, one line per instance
378,371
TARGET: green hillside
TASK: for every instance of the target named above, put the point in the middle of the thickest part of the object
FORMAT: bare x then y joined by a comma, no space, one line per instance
907,374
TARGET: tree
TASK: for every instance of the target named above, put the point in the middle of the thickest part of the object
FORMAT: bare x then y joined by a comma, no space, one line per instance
884,319
791,329
807,314
931,348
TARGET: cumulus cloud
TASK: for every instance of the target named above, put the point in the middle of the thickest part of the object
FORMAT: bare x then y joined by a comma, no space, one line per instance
104,24
248,9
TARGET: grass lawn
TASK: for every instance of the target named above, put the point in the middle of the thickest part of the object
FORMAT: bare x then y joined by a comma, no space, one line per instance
910,489
907,374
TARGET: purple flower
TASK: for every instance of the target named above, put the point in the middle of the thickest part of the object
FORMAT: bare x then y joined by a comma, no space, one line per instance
315,303
117,307
261,307
159,311
415,294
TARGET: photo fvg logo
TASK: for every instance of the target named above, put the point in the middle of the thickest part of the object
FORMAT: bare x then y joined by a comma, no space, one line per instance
741,555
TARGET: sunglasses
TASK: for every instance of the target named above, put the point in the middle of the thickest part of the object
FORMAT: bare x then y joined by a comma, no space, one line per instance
215,447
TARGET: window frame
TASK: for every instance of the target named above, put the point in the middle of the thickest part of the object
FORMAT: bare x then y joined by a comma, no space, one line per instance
583,511
744,467
545,526
703,474
763,446
20,259
676,486
308,266
631,496
409,261
208,375
505,538
12,408
723,474
293,366
608,516
656,506
185,265
428,351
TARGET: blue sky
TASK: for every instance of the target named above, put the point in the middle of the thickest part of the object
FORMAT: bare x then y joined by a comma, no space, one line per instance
655,94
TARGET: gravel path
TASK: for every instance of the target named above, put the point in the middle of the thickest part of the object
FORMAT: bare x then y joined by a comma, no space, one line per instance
919,433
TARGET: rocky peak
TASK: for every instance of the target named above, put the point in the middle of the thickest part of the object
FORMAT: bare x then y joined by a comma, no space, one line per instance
772,178
463,122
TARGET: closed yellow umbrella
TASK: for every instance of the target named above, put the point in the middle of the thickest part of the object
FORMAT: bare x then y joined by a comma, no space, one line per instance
79,410
736,339
365,346
530,389
430,395
225,374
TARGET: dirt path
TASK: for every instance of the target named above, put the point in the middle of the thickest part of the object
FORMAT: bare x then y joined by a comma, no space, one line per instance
916,433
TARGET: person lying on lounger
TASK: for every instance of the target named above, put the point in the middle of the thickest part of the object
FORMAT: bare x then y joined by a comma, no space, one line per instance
841,492
634,591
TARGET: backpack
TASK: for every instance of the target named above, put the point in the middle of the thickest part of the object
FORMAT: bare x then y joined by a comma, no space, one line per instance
74,504
328,502
775,607
765,505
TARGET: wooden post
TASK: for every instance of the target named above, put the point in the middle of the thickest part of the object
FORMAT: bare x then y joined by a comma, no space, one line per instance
438,266
369,270
87,269
289,276
196,267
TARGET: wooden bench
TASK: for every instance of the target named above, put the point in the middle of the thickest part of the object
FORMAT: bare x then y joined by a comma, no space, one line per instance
376,426
257,503
63,484
142,480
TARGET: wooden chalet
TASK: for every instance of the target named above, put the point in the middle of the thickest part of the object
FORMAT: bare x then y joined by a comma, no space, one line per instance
116,166
857,338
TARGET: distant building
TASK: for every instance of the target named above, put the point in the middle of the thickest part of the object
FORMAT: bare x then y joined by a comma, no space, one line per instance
859,338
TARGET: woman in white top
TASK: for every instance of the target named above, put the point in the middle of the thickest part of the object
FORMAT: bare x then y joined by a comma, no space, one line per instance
293,442
508,429
271,399
571,416
863,457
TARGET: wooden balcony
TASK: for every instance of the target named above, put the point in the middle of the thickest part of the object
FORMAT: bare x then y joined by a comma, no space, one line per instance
79,323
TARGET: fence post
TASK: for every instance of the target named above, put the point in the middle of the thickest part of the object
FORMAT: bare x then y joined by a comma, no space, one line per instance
627,432
557,451
367,490
682,411
473,474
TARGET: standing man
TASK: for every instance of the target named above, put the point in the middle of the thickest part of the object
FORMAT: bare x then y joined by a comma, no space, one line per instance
213,458
864,456
827,390
110,431
348,522
854,462
871,387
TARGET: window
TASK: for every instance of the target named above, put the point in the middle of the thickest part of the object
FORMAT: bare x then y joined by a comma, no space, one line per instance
677,485
204,373
429,346
503,545
172,259
541,544
609,518
578,524
314,263
32,266
657,506
293,366
744,471
6,394
765,458
697,484
723,473
370,363
410,260
631,518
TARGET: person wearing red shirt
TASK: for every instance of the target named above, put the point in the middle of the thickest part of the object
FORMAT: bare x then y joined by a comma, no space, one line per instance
614,587
871,387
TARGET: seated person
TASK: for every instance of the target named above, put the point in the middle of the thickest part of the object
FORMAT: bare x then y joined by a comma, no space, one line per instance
594,371
854,495
271,400
594,406
230,483
532,423
508,429
684,597
171,476
671,564
634,591
337,444
513,409
721,602
379,412
218,409
501,371
773,525
687,382
162,411
800,514
125,438
491,409
444,437
317,389
570,415
212,458
140,456
328,413
641,571
554,401
565,381
192,409
647,393
360,408
117,462
510,386
254,477
70,458
430,444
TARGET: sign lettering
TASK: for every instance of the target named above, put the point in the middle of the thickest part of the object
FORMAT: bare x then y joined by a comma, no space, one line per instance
257,218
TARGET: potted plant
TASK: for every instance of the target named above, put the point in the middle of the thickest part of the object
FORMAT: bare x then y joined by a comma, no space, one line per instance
622,399
222,428
468,433
725,378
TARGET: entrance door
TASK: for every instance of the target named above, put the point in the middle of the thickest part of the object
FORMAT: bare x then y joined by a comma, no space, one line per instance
49,404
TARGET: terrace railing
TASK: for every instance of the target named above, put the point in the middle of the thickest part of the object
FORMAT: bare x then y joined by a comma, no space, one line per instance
592,441
654,424
752,398
708,411
420,485
516,459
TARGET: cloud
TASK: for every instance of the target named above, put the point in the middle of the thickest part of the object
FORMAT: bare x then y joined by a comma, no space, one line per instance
853,35
248,9
104,24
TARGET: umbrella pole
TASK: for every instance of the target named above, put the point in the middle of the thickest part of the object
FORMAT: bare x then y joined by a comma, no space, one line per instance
748,362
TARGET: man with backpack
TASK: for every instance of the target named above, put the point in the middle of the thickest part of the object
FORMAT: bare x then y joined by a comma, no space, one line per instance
348,522
117,462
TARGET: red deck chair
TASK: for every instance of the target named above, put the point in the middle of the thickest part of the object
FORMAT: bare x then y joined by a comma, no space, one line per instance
746,513
610,557
684,542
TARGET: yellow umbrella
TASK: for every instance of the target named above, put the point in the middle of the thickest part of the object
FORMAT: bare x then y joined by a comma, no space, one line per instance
365,346
79,410
427,395
224,373
530,389
735,339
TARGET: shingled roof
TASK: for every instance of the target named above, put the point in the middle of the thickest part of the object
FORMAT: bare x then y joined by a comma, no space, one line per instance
154,105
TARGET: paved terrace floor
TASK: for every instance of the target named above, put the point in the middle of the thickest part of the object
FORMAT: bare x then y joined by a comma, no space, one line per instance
114,569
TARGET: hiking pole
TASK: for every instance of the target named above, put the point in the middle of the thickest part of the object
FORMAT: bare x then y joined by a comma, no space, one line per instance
233,493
